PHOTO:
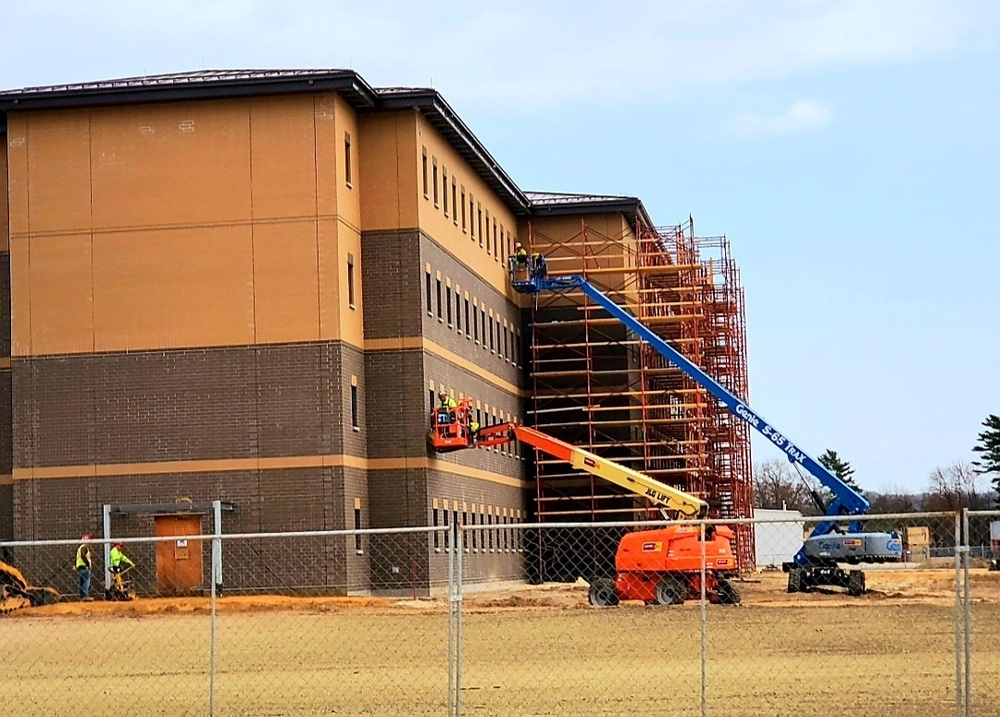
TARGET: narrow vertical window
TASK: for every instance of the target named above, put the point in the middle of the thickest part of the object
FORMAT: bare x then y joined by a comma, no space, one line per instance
350,280
347,158
472,215
354,404
487,231
506,343
357,526
482,320
434,179
440,311
427,282
444,188
448,303
463,208
467,332
489,522
454,202
454,527
465,534
430,393
458,310
475,324
437,535
447,525
495,253
492,345
424,165
479,222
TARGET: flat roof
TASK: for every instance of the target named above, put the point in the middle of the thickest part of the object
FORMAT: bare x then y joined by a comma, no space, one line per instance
220,84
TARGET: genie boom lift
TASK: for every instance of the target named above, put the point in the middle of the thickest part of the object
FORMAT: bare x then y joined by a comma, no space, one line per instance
818,561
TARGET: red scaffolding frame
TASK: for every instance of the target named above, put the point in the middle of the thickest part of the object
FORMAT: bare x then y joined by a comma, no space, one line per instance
597,386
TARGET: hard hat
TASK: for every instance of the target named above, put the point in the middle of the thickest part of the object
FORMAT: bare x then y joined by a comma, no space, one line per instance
441,394
119,545
86,536
517,245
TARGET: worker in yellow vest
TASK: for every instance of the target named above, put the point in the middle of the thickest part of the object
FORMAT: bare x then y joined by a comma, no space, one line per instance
118,560
84,567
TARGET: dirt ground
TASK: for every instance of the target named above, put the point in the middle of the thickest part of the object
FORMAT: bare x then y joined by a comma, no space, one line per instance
525,651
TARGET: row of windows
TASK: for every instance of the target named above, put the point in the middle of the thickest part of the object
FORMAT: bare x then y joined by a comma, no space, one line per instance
468,316
484,416
500,535
465,210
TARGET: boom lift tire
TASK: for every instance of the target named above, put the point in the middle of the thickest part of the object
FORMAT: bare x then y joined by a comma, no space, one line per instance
603,593
856,583
729,593
670,590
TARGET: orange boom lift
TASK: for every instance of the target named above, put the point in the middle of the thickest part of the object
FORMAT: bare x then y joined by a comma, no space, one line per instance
660,566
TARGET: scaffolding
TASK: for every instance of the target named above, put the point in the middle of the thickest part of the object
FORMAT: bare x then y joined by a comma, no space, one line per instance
597,386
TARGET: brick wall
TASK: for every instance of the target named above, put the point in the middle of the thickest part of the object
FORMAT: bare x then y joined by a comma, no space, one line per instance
243,402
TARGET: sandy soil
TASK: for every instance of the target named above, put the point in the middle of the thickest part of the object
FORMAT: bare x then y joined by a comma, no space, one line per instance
528,651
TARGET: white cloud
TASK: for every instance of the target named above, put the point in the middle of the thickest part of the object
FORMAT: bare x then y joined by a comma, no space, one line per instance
801,116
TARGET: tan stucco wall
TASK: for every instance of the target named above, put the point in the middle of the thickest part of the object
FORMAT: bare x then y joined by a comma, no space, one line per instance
181,225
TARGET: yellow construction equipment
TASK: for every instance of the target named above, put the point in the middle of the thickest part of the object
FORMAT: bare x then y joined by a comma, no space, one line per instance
16,593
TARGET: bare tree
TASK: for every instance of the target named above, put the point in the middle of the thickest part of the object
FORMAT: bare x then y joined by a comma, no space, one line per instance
777,486
894,500
955,487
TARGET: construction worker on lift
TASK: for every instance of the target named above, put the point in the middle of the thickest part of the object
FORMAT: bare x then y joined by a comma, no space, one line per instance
117,560
446,409
520,254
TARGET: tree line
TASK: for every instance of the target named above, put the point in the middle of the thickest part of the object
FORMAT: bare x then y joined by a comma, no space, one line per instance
973,484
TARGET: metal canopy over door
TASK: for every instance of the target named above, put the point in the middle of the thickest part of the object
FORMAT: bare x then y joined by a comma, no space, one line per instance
178,562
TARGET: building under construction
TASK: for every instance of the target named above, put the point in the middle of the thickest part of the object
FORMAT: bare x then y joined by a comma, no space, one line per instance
595,385
247,287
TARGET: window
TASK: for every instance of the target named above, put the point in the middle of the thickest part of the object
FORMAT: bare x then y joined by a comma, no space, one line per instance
487,231
448,303
479,222
350,280
463,208
453,540
439,307
444,188
358,548
354,403
472,224
427,277
467,332
475,324
492,345
475,533
425,172
447,525
437,535
489,522
499,350
506,342
434,180
430,393
458,310
495,246
347,158
482,320
454,202
465,534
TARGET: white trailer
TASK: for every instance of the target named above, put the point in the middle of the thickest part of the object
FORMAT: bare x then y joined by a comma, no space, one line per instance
777,542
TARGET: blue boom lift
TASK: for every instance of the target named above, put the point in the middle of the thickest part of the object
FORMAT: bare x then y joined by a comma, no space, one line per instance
818,561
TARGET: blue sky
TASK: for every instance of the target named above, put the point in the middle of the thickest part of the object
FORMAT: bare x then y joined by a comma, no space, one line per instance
849,150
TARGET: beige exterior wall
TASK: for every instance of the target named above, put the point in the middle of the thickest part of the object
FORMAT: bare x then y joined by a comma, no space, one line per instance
475,251
184,225
4,221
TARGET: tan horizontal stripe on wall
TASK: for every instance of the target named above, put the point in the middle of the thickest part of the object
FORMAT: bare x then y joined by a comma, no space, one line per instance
5,363
418,342
223,465
6,479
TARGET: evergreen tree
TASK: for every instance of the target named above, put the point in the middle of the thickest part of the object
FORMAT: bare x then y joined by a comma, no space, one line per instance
989,448
839,467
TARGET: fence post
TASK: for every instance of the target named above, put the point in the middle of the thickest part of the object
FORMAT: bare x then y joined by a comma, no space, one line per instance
704,626
459,587
967,612
216,571
958,617
452,602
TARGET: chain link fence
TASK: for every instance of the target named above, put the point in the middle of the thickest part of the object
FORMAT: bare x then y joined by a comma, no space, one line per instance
597,619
